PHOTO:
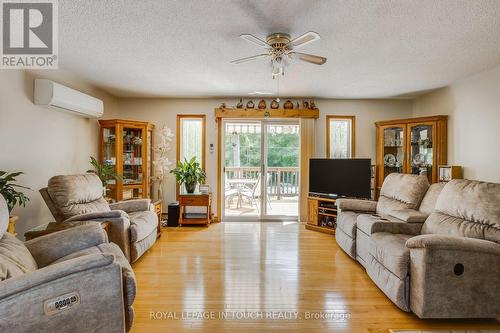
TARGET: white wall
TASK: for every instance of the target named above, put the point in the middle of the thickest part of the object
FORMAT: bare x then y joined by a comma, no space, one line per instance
473,106
43,142
164,111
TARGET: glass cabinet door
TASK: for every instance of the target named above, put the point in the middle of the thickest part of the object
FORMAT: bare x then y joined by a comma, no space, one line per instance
421,151
109,156
132,156
393,150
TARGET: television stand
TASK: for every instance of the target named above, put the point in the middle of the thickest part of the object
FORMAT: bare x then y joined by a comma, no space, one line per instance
322,214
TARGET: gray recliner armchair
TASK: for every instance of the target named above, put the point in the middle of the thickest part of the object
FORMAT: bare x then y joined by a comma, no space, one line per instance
71,281
133,223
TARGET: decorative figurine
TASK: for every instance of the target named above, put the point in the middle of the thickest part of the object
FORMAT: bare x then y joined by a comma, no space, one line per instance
275,104
222,105
240,104
250,105
298,105
288,105
312,105
262,104
305,104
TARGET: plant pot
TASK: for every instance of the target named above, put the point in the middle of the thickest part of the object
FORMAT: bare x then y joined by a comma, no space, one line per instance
190,187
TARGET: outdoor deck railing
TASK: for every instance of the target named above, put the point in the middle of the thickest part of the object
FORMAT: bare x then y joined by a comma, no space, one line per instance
281,181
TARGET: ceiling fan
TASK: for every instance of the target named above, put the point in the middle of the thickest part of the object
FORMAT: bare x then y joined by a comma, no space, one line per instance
280,48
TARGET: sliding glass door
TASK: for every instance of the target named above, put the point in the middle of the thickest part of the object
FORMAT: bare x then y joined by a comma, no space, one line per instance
242,172
261,170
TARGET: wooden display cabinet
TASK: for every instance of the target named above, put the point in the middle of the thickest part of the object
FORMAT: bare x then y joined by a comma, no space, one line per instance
413,146
129,146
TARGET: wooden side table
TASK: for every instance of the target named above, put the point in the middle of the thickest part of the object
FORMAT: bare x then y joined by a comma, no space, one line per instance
195,199
159,211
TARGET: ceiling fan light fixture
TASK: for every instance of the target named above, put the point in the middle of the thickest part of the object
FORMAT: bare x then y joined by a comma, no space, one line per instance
280,46
278,68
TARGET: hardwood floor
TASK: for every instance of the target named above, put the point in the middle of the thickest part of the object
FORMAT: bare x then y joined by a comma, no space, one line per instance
268,272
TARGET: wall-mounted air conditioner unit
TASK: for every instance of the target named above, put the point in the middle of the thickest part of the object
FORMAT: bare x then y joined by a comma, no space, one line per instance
53,94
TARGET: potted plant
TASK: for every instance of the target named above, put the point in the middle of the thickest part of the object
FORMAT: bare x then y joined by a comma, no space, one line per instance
11,195
105,172
189,173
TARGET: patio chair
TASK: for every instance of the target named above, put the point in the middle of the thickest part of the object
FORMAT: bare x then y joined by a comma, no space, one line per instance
253,194
229,192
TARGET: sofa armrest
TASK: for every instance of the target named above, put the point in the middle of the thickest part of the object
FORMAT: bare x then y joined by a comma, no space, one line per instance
97,216
454,277
48,248
409,215
358,205
25,301
129,206
396,227
453,243
119,230
49,273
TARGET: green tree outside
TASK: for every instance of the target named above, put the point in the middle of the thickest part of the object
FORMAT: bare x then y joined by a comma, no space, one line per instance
283,150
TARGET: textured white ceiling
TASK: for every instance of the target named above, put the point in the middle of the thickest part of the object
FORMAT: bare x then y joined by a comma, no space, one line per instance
375,48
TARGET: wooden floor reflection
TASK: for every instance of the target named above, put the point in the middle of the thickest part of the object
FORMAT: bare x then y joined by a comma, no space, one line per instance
262,277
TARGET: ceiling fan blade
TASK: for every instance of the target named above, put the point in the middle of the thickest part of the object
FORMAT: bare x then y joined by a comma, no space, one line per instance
305,39
255,40
313,59
255,57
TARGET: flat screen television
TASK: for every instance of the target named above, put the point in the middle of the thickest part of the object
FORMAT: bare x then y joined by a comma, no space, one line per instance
340,177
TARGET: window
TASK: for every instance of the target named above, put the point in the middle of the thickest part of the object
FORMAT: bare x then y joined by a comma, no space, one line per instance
340,136
191,138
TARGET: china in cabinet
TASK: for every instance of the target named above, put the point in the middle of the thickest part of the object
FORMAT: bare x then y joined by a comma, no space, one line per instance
128,146
414,146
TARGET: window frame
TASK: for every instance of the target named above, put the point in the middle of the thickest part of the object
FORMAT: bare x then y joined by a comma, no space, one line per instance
203,118
352,119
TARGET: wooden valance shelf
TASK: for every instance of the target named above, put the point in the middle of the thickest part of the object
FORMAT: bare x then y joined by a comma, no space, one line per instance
266,113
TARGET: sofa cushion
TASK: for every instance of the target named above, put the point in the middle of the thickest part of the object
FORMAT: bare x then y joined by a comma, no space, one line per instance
390,251
77,194
467,208
142,224
428,203
15,259
401,191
